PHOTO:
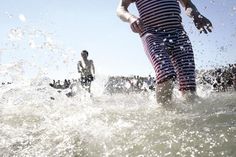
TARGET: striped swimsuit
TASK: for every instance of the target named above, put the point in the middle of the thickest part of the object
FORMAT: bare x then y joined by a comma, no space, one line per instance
166,43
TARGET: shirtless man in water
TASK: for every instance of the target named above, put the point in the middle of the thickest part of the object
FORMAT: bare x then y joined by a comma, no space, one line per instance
166,43
86,69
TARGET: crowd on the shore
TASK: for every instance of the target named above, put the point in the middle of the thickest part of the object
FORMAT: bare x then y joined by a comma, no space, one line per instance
62,85
115,84
122,84
221,79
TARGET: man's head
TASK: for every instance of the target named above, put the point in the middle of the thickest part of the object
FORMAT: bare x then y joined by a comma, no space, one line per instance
84,54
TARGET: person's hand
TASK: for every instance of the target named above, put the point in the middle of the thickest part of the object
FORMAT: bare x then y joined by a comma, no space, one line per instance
137,26
202,23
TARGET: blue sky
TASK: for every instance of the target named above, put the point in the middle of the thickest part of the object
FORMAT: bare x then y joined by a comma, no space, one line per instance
54,32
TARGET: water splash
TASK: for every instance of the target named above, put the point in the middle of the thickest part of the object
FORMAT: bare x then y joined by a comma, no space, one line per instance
33,124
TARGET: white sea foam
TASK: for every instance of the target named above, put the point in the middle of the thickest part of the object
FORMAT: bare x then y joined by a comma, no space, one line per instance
34,124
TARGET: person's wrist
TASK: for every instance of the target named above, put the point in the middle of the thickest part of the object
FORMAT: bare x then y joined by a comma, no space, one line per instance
132,19
195,14
192,13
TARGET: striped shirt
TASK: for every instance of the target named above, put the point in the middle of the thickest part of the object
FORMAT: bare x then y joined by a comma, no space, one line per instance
162,14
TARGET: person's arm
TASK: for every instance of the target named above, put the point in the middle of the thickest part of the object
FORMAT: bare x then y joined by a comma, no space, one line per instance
78,67
201,22
93,67
123,13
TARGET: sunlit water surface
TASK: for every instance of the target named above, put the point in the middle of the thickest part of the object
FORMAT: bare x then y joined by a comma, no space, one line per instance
34,124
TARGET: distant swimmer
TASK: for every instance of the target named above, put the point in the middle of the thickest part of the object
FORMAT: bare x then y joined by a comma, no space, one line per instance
166,43
87,70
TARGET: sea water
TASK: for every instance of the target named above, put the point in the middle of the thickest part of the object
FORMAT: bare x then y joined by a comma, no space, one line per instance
37,120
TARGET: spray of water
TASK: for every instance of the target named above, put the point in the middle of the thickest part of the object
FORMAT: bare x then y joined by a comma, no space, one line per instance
34,124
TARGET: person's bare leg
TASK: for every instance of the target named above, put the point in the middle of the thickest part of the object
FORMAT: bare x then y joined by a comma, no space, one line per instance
189,95
164,92
89,87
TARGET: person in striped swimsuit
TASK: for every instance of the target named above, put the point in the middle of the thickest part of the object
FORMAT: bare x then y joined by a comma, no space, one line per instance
166,43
